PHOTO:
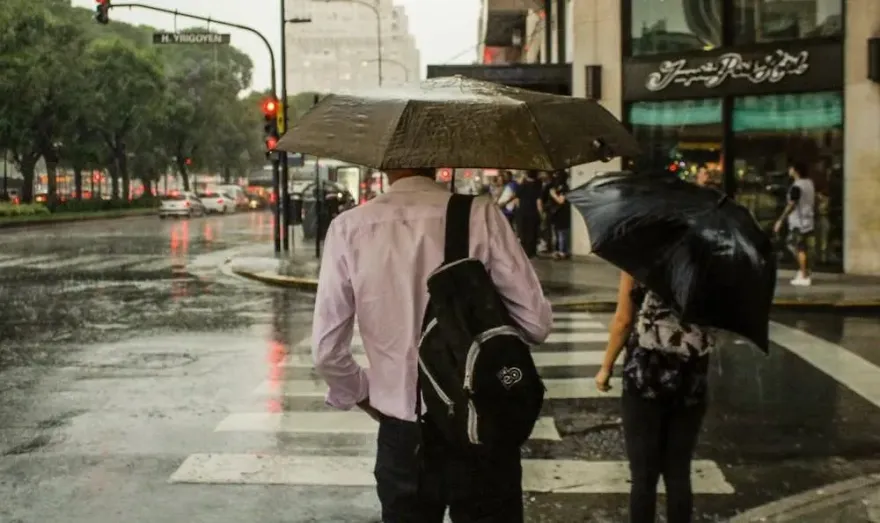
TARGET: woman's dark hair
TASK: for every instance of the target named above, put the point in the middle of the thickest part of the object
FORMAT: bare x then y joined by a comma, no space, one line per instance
800,168
532,175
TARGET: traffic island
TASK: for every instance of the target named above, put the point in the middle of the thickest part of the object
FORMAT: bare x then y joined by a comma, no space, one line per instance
12,222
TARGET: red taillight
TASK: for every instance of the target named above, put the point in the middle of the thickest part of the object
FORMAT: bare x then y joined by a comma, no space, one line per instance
186,204
220,201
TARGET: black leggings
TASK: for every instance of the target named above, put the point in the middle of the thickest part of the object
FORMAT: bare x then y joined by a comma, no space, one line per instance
660,439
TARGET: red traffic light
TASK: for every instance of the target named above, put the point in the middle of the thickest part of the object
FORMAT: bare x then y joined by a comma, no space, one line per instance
188,161
270,107
271,142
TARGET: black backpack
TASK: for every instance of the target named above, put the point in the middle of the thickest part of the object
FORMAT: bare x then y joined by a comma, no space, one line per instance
476,372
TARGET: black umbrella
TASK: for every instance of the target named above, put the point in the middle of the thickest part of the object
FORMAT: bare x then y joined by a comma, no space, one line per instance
459,122
699,250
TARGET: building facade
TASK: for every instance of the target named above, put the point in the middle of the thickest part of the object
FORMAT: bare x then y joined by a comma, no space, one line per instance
339,49
740,87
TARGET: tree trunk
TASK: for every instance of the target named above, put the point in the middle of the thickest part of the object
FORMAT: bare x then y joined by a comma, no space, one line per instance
27,166
184,175
148,187
51,179
77,182
123,173
113,168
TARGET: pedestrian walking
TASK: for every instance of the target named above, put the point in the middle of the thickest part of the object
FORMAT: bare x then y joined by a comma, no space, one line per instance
507,199
528,216
799,214
545,205
664,397
374,272
560,217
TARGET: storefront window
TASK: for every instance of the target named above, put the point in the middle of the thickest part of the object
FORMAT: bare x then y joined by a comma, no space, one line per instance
773,20
771,132
671,26
678,136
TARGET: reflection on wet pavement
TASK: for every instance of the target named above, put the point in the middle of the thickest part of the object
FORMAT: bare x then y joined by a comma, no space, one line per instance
166,392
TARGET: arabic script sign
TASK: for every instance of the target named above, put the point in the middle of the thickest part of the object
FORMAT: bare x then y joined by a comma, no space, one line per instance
770,68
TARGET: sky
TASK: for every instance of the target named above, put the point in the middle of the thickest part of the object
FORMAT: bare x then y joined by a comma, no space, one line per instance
444,29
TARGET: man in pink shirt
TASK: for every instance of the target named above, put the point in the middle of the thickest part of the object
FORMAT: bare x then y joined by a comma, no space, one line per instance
377,258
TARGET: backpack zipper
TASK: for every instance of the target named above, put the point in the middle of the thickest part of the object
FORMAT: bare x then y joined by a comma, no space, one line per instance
474,351
473,423
450,406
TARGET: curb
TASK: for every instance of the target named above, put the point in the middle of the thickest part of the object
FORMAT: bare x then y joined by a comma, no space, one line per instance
24,224
796,508
276,280
564,304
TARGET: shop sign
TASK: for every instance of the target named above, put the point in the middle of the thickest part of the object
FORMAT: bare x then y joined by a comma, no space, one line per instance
772,68
799,67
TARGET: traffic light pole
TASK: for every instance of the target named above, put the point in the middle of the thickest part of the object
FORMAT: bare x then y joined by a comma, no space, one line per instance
274,87
285,172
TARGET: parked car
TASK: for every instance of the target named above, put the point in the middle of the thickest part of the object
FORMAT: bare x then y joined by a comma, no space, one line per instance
220,203
184,204
237,193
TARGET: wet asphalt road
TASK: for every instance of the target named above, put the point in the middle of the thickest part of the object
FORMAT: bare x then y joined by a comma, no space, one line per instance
130,360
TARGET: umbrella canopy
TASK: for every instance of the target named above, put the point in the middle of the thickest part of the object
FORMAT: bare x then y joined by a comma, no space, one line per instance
459,122
699,250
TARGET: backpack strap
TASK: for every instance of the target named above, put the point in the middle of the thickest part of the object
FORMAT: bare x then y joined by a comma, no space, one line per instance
458,222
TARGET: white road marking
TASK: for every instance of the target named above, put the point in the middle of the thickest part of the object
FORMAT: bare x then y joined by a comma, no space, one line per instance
114,261
556,475
27,261
570,316
579,324
542,359
850,370
69,262
150,266
334,422
557,388
598,336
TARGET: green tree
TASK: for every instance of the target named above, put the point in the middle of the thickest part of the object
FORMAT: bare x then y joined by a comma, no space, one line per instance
128,83
38,86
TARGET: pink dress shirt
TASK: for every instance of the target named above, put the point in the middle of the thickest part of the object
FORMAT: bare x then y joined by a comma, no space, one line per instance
377,258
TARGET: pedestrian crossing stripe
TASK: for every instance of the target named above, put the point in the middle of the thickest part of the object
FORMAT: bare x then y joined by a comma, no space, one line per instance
539,475
82,261
116,261
542,359
335,422
151,266
557,388
599,336
26,261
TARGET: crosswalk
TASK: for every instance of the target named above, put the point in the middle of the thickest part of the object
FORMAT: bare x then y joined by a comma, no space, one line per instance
576,346
94,263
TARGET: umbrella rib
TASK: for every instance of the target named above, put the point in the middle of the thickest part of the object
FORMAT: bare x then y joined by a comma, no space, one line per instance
383,149
540,136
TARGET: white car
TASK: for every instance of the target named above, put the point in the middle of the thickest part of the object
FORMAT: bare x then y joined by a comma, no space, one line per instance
185,204
220,203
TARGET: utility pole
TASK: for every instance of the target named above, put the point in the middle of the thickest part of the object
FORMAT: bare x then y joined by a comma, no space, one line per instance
285,170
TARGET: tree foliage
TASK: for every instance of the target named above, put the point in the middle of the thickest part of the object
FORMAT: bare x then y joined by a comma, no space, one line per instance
86,96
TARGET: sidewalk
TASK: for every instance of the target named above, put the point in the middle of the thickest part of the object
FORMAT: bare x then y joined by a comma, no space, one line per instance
852,501
584,283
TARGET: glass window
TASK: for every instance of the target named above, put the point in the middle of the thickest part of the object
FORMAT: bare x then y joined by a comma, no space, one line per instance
772,132
772,20
658,26
679,136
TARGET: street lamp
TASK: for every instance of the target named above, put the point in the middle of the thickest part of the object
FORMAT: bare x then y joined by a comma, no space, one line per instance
375,8
391,61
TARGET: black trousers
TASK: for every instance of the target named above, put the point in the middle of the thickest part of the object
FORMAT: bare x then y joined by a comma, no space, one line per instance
528,227
660,439
418,476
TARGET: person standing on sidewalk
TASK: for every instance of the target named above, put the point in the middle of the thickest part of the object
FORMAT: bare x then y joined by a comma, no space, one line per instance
800,214
528,216
561,215
377,259
664,398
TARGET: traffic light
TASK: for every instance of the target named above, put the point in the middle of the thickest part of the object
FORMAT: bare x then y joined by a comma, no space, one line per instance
102,11
270,128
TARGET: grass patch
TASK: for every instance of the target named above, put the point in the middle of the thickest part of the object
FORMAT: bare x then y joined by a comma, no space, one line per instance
61,217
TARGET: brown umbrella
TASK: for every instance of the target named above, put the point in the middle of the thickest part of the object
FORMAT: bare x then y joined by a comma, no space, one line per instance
459,122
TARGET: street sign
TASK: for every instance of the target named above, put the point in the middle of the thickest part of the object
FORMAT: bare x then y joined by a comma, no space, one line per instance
190,38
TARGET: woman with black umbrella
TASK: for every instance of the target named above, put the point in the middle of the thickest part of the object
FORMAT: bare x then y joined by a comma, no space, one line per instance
664,397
